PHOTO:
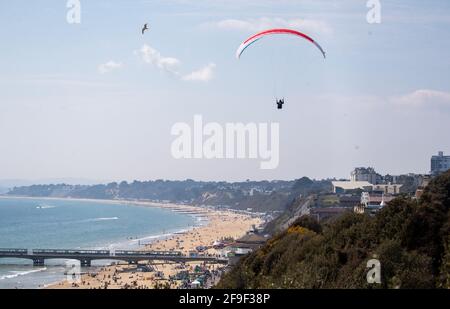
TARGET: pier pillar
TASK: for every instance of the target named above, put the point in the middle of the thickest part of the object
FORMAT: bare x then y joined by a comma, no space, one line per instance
86,263
38,262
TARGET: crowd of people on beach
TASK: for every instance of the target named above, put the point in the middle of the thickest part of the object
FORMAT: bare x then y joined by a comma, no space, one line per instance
206,241
188,277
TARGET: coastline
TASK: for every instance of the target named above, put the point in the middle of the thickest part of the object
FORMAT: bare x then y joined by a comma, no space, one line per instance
216,225
146,203
220,225
198,212
201,213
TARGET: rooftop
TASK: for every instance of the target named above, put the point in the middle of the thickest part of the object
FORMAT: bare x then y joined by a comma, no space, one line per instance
252,239
351,185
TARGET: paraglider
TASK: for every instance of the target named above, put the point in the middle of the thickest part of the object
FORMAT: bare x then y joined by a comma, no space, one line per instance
280,103
254,38
258,36
145,28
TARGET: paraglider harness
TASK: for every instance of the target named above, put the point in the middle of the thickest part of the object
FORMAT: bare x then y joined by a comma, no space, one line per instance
280,103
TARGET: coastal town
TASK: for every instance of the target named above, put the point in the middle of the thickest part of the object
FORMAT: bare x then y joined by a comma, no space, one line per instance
221,237
230,234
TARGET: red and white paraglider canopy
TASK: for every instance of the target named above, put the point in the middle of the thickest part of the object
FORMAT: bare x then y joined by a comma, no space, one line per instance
260,35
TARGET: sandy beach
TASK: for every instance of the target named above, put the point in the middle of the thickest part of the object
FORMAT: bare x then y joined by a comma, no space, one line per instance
220,225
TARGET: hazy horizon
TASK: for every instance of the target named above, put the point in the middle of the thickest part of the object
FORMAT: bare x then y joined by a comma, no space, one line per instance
97,100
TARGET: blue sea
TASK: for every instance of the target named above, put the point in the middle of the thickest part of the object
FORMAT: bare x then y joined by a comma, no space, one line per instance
73,224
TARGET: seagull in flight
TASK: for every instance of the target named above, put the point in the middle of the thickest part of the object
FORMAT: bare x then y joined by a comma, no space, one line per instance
145,28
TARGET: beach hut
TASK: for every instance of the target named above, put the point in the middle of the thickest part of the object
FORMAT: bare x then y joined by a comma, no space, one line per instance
218,245
195,284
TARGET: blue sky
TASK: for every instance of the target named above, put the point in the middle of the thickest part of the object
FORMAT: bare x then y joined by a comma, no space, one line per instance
83,101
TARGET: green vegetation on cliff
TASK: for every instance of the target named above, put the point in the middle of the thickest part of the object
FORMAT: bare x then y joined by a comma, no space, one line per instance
410,238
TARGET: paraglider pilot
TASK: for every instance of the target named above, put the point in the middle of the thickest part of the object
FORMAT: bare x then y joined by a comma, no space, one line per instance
280,103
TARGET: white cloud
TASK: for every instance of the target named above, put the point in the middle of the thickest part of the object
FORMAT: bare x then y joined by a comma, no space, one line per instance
204,74
259,24
171,65
109,66
423,97
154,57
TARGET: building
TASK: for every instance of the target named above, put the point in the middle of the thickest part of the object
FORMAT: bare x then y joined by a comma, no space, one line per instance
410,182
245,245
389,179
324,213
421,188
419,193
439,164
372,202
366,174
387,188
346,186
375,199
349,201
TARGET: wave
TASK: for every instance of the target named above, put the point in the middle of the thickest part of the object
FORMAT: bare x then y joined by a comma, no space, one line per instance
100,219
45,207
16,274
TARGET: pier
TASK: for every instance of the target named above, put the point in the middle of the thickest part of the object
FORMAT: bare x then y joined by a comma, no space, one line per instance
39,256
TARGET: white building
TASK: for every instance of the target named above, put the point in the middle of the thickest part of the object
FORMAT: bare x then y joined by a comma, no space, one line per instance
365,174
344,186
372,203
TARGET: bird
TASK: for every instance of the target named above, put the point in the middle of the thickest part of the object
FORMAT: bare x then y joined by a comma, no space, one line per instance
145,28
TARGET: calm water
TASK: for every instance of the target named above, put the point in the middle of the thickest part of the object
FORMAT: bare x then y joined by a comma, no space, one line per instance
67,224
